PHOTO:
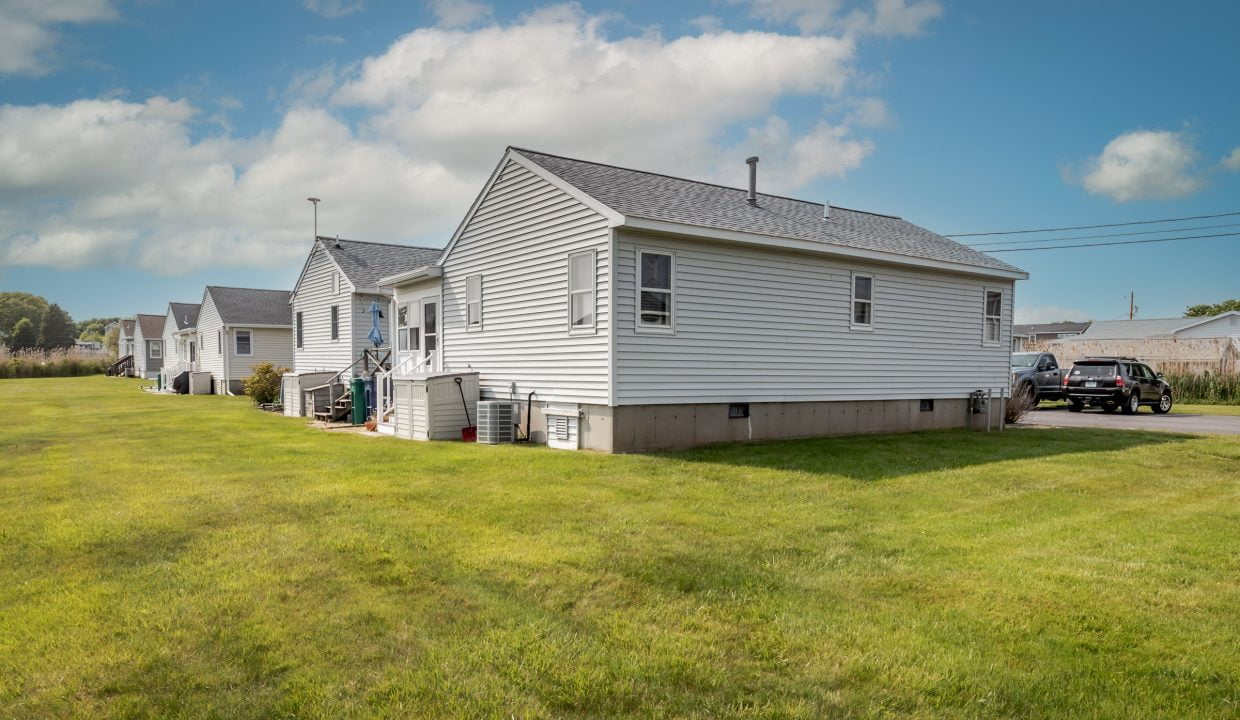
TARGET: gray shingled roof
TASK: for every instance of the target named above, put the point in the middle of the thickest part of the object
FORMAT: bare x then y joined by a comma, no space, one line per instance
152,326
1132,329
1042,328
127,328
363,263
249,306
186,314
661,197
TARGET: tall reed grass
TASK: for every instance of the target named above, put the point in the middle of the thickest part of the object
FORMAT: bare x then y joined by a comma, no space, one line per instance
51,363
1213,389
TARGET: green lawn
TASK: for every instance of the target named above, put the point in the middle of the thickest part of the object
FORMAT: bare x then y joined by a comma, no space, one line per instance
1206,409
192,557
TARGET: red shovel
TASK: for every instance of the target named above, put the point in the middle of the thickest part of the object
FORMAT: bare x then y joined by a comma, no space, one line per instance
469,433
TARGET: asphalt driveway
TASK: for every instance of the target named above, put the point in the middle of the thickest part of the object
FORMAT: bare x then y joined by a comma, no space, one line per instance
1144,420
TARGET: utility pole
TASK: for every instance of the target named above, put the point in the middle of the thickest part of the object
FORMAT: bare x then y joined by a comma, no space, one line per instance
1132,304
316,202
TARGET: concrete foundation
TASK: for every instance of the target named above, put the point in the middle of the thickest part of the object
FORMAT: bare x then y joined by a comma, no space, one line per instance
639,428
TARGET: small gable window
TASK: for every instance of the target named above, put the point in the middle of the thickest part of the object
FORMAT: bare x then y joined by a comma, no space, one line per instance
473,302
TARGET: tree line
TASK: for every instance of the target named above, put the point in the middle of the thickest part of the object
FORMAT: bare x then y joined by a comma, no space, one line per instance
30,322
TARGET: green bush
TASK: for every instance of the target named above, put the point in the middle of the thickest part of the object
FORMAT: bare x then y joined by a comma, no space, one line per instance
1204,389
264,385
51,363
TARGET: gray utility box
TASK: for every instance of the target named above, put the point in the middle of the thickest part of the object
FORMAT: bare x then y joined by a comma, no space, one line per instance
200,383
495,422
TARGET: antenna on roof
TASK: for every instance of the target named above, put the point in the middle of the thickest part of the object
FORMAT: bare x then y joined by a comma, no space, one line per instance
753,180
315,201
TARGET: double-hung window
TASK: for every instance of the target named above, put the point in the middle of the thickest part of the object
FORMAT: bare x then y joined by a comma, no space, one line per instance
581,290
994,316
241,341
335,322
473,302
155,349
655,289
862,302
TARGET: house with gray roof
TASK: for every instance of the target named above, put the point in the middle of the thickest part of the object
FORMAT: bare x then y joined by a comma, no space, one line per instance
180,340
238,328
148,343
1192,345
1031,335
331,307
124,342
640,311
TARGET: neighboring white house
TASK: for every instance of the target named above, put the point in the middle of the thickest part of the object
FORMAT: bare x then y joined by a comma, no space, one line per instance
239,328
148,343
180,340
1196,345
645,311
331,307
124,341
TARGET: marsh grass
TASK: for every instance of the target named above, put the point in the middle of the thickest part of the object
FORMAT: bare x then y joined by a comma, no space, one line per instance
189,556
51,363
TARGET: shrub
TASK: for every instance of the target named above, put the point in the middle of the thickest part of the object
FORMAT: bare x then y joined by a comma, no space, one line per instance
1019,405
1204,389
51,363
264,385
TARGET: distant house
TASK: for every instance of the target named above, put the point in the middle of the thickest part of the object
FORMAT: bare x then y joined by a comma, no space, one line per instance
1209,344
331,307
88,345
124,338
239,328
148,343
1031,336
180,340
637,311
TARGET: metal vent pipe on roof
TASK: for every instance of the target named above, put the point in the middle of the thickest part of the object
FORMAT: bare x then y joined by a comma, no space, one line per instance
753,180
826,210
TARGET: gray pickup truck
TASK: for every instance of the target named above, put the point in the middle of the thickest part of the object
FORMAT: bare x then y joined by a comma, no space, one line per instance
1037,373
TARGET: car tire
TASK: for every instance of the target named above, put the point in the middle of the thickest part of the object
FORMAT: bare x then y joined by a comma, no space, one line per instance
1109,407
1074,406
1164,404
1133,403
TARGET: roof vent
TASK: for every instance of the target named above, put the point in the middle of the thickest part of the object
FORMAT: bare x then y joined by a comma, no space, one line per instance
337,242
753,180
826,210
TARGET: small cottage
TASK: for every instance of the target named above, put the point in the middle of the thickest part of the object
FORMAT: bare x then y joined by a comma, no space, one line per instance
148,343
180,340
239,328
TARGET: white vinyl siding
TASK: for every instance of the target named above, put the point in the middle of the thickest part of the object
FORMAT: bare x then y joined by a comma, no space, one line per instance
519,237
756,325
1228,326
361,323
210,329
313,298
582,268
473,302
145,364
171,355
274,345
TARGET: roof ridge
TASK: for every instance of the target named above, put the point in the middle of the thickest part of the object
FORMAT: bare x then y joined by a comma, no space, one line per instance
697,182
374,242
234,287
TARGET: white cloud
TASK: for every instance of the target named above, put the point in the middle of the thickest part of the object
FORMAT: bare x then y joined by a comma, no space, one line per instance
27,37
99,181
708,24
1143,164
333,8
459,13
878,17
1232,161
1048,314
869,112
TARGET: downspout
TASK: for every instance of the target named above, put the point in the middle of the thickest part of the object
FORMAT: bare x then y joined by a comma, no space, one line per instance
227,350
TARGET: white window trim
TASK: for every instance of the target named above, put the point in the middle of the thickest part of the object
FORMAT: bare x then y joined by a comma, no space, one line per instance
638,327
852,301
236,350
473,327
986,317
155,350
592,328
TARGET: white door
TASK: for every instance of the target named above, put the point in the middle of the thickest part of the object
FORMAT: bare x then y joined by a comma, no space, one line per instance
418,333
430,332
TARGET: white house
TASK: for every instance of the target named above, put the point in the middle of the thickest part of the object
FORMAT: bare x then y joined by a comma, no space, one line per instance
331,307
239,328
124,341
644,311
1194,345
148,343
180,340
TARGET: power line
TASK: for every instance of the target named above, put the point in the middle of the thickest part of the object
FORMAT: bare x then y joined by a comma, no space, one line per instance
1092,227
1118,242
1104,235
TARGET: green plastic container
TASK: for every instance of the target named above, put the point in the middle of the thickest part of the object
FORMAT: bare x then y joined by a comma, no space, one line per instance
358,387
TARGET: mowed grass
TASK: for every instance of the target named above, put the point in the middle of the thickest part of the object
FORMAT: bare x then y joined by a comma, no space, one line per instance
192,557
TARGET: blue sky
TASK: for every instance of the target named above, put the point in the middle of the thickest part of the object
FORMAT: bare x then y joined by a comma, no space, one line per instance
150,148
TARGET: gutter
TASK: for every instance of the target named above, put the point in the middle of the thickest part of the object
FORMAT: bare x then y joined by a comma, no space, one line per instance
422,273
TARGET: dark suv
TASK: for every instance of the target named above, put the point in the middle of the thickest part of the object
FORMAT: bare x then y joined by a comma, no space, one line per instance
1115,383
